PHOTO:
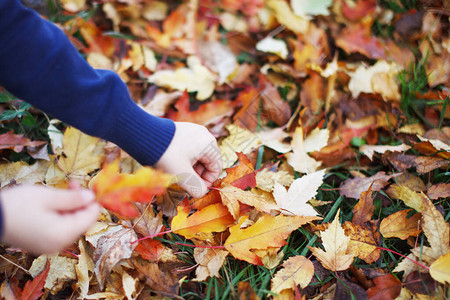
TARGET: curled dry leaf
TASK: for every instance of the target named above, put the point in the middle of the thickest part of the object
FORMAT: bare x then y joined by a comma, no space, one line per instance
297,270
353,188
210,261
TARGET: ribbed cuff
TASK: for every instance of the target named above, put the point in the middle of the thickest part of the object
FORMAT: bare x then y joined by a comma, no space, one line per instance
143,136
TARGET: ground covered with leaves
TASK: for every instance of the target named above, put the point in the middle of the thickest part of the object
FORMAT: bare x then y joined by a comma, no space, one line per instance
333,124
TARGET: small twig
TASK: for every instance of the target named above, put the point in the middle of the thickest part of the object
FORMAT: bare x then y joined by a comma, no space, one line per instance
20,267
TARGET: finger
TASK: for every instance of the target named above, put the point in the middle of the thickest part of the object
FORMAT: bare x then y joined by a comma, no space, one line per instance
67,200
79,221
213,168
199,168
192,183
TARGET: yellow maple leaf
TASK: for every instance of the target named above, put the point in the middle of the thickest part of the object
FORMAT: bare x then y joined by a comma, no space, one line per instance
266,232
335,242
297,270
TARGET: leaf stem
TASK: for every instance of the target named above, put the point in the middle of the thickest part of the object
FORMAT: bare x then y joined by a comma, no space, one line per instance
404,256
200,246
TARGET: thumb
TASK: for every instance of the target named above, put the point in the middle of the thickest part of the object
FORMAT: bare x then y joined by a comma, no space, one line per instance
192,183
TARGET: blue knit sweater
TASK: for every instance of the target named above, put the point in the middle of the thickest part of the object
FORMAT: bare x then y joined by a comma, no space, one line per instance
39,64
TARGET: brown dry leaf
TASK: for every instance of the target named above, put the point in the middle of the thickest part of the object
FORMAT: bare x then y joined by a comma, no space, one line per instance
363,210
297,270
364,241
386,287
148,223
441,190
82,268
335,242
246,292
17,142
209,262
425,164
62,270
400,226
111,249
353,188
411,181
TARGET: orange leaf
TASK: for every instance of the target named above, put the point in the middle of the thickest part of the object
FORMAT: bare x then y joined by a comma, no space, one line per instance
150,249
363,210
243,175
386,287
117,192
205,113
213,218
266,232
33,288
400,226
247,116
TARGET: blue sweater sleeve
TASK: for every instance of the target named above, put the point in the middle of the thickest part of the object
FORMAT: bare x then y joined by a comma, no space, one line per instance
39,64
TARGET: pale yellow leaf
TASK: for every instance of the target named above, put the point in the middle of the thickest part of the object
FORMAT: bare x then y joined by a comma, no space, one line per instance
73,5
297,270
335,242
82,268
266,179
435,228
274,46
194,78
286,16
62,269
209,262
440,269
239,140
411,198
20,172
369,150
294,201
129,286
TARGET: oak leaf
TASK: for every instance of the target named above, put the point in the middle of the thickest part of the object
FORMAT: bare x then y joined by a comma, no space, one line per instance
335,242
266,232
213,218
297,270
118,192
294,201
400,226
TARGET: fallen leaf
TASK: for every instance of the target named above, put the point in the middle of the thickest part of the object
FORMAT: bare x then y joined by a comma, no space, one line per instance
286,17
305,8
194,78
275,46
297,270
299,159
246,292
20,172
150,249
239,140
386,287
266,179
129,286
364,241
411,198
33,288
363,210
357,38
441,190
266,232
243,175
213,218
82,154
62,270
118,192
209,262
435,228
294,201
400,226
17,142
335,242
82,268
111,249
233,196
379,78
439,269
353,188
369,150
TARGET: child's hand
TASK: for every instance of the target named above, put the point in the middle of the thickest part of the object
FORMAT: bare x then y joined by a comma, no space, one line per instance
193,156
45,220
